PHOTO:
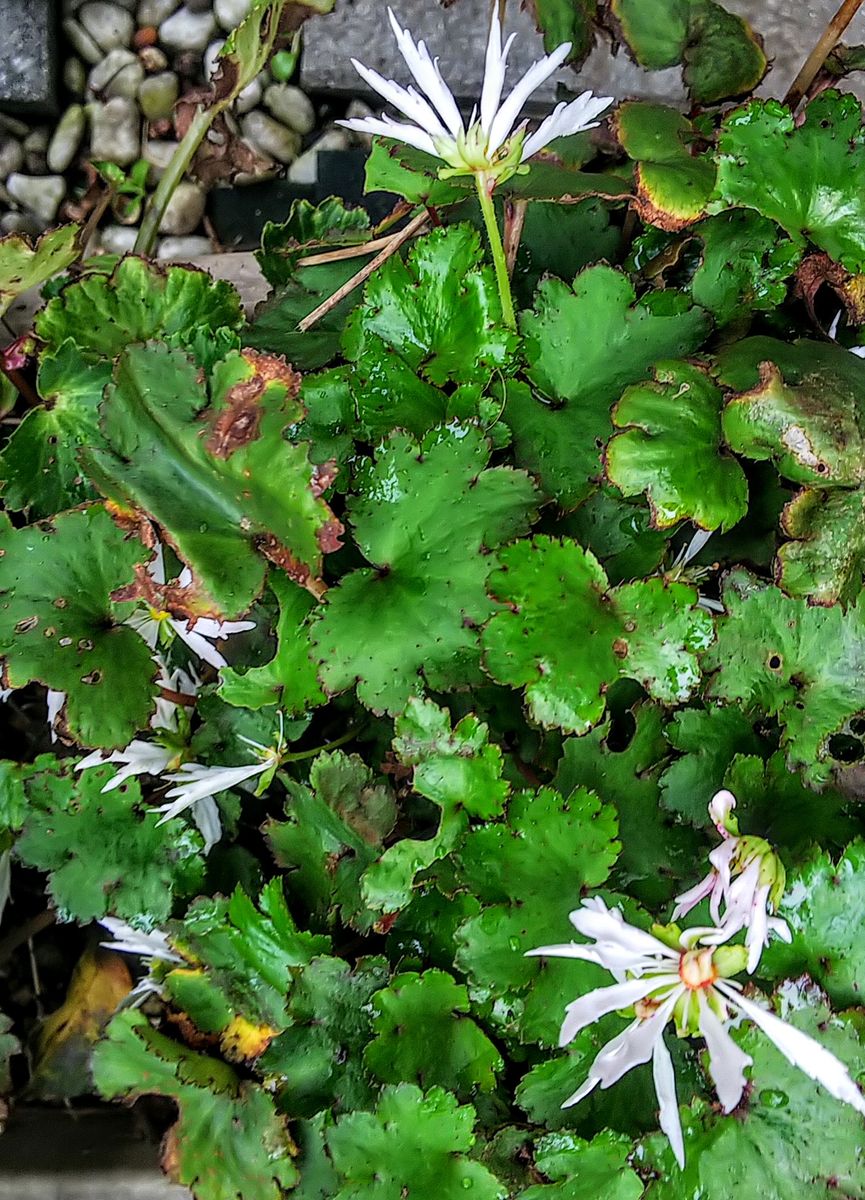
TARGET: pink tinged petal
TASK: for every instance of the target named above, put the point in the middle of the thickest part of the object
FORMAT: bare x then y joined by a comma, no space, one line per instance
427,76
727,1062
802,1051
633,1046
720,807
780,929
409,103
758,928
530,82
693,896
494,71
567,119
382,127
668,1105
594,1005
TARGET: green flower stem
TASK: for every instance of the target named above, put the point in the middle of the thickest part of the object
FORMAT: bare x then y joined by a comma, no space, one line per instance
498,250
300,755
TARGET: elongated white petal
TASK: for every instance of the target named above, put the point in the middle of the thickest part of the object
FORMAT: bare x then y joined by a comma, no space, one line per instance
567,950
566,119
668,1105
631,1047
690,899
128,940
590,1008
505,118
494,71
407,100
156,566
802,1051
614,935
384,127
95,759
54,702
427,76
194,782
205,814
198,644
757,936
727,1062
145,626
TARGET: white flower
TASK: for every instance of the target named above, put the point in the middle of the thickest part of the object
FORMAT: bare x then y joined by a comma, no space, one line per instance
687,984
747,877
185,683
155,624
489,144
127,940
5,879
138,758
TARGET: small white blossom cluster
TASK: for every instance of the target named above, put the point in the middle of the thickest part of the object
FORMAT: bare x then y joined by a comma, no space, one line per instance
686,977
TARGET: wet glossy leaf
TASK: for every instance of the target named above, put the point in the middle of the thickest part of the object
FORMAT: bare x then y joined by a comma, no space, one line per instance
809,179
228,1139
674,181
656,854
393,167
566,636
584,345
105,853
618,532
566,21
423,1035
575,840
821,905
423,515
222,479
709,739
655,30
58,624
24,265
412,1143
747,265
672,450
584,1170
335,829
309,230
825,560
289,679
242,961
783,658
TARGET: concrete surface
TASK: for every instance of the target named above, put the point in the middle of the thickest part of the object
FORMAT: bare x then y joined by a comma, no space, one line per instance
27,66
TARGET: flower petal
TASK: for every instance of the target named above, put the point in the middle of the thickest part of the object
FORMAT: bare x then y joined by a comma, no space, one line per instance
668,1104
566,119
494,70
690,899
428,78
193,782
385,127
585,1010
530,82
616,939
727,1061
409,103
801,1050
205,814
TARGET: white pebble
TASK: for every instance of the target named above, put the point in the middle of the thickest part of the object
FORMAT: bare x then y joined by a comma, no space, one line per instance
114,131
158,94
184,248
269,137
185,209
158,154
154,12
40,194
290,106
108,25
187,30
305,168
11,156
81,41
67,138
230,13
117,239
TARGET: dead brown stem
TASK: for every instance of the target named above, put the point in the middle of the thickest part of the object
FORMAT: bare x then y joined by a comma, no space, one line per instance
829,39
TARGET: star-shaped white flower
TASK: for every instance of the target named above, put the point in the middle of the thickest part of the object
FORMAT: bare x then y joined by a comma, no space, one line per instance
688,984
489,144
747,877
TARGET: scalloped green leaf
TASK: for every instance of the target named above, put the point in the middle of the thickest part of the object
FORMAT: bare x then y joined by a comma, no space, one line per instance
673,183
619,534
335,829
584,345
799,405
308,230
39,465
822,904
529,871
709,739
221,478
582,1170
415,1143
746,267
655,30
459,771
140,300
672,450
423,1035
318,1060
825,559
656,855
242,962
566,21
784,658
426,516
566,636
791,1140
106,854
810,178
24,265
289,679
228,1140
394,167
59,626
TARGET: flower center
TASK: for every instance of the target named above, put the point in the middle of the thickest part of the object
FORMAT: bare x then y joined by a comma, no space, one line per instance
696,969
158,614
